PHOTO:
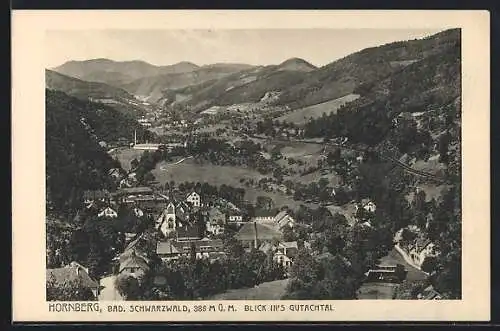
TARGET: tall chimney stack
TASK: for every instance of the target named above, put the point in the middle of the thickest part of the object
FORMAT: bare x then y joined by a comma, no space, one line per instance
256,243
135,137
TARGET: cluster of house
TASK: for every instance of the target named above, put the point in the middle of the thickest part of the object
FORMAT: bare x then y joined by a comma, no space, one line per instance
418,248
263,231
180,219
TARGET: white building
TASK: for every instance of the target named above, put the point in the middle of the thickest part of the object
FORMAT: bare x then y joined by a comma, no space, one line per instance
194,198
147,147
167,222
283,219
367,205
108,212
235,218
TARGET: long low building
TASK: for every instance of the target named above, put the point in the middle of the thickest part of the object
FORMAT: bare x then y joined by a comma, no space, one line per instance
147,147
205,248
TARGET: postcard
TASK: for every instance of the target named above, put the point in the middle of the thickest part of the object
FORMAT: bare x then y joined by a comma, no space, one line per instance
250,166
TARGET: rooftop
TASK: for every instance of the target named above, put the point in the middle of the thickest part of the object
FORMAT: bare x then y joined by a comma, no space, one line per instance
136,190
71,272
264,213
134,261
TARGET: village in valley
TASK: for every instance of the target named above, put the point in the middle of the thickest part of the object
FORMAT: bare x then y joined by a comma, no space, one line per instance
251,187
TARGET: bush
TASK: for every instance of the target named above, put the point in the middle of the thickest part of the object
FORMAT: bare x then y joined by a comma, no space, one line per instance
429,264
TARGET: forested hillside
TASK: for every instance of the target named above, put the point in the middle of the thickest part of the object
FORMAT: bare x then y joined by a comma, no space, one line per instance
75,159
344,76
119,72
431,84
301,84
83,89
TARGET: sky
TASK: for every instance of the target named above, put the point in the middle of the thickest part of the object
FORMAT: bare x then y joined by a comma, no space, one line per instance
256,46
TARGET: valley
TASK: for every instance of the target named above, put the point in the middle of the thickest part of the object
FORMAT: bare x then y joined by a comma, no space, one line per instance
333,164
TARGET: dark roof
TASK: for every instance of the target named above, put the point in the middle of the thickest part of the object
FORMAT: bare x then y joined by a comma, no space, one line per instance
69,273
167,247
188,232
136,190
183,205
192,192
177,247
264,213
97,194
134,261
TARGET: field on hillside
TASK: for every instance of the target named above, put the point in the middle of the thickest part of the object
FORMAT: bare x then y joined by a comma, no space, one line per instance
212,174
188,170
302,115
431,166
279,199
125,155
431,192
333,178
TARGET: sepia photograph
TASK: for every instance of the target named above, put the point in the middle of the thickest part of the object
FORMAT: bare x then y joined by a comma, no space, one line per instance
255,169
253,164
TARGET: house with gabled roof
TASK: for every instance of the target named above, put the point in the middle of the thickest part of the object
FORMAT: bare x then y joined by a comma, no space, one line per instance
194,198
188,233
285,253
168,250
108,212
174,216
73,272
134,265
216,221
235,217
204,248
283,219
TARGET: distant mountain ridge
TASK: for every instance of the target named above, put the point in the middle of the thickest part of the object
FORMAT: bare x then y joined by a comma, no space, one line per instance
83,89
119,72
298,83
144,79
301,84
296,64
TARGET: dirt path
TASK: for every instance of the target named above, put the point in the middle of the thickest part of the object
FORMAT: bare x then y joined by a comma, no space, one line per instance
163,167
109,293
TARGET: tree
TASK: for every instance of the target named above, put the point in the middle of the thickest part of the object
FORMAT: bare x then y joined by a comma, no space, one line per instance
134,164
444,141
429,264
326,277
128,287
289,234
149,177
264,202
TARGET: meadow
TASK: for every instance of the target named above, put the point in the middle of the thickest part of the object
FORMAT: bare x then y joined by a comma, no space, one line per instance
302,115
